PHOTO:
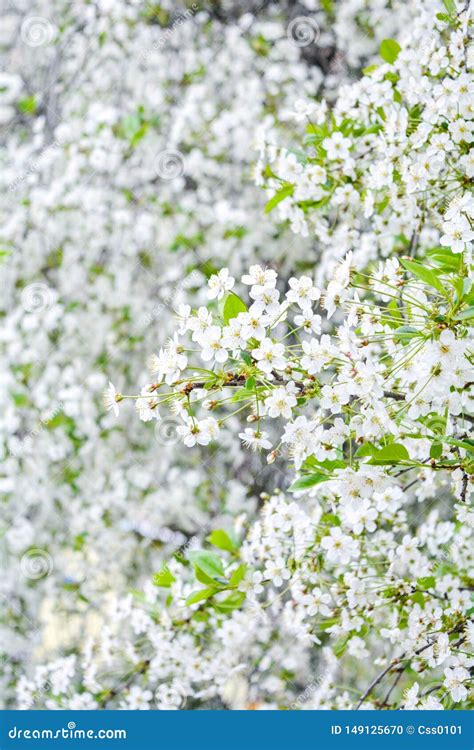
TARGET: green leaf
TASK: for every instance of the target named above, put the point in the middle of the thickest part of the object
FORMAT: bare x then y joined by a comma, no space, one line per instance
279,196
458,286
238,575
405,333
436,450
389,50
233,305
340,646
201,595
418,598
329,623
133,128
233,601
390,454
427,582
382,205
397,97
250,384
445,258
424,274
208,580
164,578
465,314
310,480
21,399
221,540
208,562
27,105
450,6
328,465
467,443
366,449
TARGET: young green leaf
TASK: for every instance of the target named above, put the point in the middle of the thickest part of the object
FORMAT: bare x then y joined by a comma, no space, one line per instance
390,454
465,314
310,480
405,333
280,196
221,540
424,274
233,305
233,601
208,562
201,595
238,575
450,6
366,449
389,50
164,578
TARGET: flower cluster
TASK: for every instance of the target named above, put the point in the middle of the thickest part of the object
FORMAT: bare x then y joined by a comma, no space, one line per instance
389,168
397,366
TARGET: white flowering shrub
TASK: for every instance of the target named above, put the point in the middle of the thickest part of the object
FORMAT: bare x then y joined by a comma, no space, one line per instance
388,168
320,375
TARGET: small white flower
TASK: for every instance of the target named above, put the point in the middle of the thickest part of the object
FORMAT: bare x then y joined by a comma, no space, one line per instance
198,433
212,345
280,403
340,548
270,356
337,146
454,681
219,284
146,405
111,399
260,278
255,439
457,233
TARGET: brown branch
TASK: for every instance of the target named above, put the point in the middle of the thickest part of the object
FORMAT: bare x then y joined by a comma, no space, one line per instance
396,662
400,672
394,395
